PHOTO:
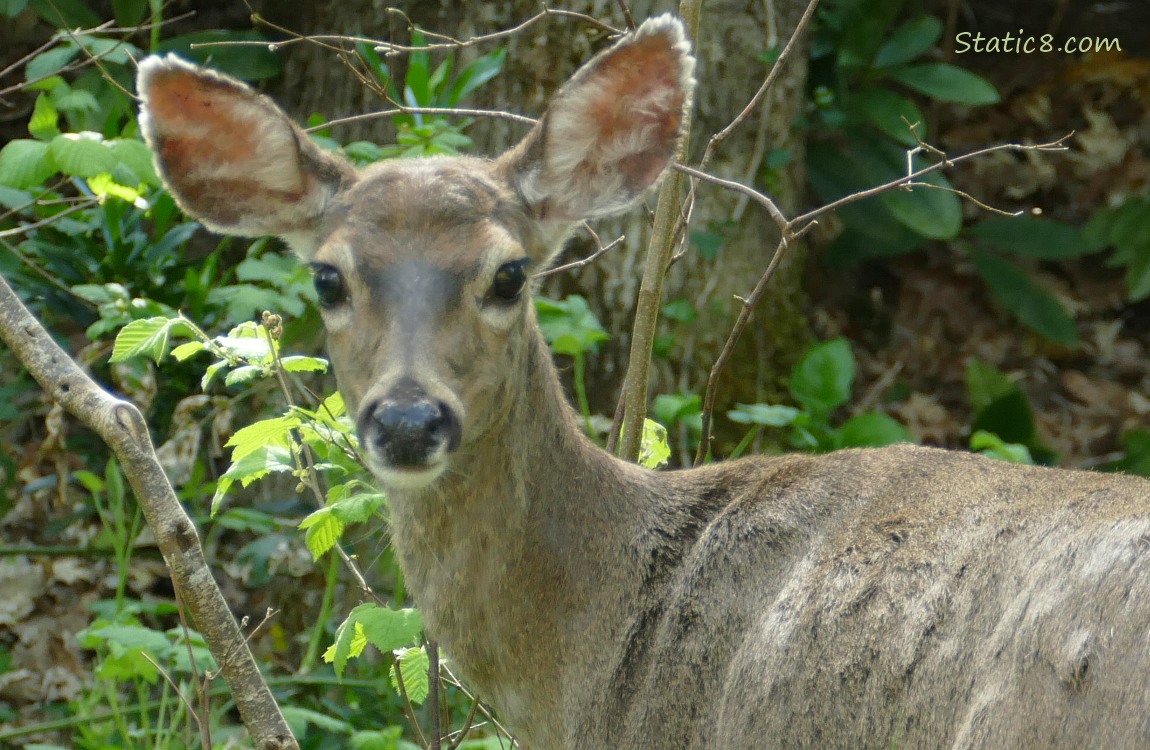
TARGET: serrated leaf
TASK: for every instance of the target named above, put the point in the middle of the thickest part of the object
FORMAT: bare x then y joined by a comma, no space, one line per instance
263,434
324,528
81,155
136,156
245,374
148,337
413,666
211,372
297,363
654,450
25,163
349,642
267,459
946,83
1033,237
360,507
68,99
188,350
389,629
1025,299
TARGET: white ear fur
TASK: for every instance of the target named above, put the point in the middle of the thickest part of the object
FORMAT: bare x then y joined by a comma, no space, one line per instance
612,130
231,157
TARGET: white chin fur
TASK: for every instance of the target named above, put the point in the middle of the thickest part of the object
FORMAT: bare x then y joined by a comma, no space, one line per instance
406,479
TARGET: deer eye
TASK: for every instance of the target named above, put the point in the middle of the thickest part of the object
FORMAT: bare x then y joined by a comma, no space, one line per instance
509,281
329,286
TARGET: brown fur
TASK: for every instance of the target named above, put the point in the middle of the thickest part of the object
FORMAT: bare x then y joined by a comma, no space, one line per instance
903,597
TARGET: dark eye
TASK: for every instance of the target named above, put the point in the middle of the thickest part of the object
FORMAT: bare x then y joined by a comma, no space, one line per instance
329,285
509,280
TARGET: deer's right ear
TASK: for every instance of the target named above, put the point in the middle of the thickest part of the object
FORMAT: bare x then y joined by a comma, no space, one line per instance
231,157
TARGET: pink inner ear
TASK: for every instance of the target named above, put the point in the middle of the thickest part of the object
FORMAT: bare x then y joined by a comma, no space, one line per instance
203,123
639,92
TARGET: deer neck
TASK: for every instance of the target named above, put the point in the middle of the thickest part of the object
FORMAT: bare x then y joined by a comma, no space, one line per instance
507,554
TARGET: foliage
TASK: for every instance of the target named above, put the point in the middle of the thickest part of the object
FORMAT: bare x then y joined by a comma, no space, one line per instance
866,131
1004,425
419,133
820,383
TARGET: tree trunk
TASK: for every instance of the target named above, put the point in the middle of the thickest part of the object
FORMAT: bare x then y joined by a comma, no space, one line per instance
734,34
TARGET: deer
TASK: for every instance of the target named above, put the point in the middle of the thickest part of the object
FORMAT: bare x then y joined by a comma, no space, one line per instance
868,598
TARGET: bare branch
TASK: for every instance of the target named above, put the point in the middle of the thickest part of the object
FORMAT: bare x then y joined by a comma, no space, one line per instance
123,428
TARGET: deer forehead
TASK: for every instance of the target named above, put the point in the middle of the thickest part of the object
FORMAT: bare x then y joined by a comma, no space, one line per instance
454,214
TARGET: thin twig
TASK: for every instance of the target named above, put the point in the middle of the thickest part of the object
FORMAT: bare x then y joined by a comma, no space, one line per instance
454,111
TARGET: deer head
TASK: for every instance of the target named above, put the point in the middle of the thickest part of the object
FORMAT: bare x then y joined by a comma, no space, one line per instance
422,266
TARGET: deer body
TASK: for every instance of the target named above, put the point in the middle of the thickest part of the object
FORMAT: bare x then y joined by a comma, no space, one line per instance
903,597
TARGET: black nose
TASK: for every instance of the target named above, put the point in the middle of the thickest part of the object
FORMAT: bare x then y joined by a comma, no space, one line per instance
406,432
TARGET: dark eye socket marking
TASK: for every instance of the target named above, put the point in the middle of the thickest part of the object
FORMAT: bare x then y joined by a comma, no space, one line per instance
329,284
509,281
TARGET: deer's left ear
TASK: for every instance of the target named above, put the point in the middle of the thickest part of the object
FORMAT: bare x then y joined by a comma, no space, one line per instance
232,158
612,130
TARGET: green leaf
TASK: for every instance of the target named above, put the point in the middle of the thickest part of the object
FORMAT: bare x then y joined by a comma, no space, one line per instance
299,719
935,213
1009,416
909,41
1137,458
986,384
81,154
297,363
72,14
654,450
872,429
885,110
51,62
136,156
324,528
569,326
946,83
1024,298
43,124
413,665
991,445
246,374
264,460
25,163
267,433
389,629
822,380
188,350
349,643
475,75
358,508
148,337
1033,237
769,415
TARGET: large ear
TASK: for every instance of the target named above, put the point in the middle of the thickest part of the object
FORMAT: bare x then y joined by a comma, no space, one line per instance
231,157
612,130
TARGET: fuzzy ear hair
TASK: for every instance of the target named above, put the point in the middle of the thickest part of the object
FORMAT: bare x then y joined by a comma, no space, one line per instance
231,157
612,130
